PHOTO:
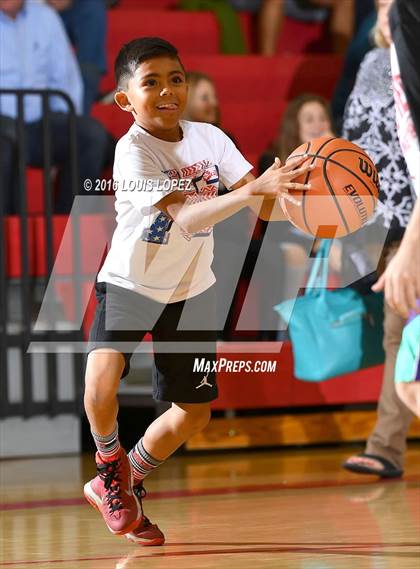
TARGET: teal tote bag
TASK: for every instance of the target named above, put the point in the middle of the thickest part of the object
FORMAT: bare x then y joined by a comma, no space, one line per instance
332,332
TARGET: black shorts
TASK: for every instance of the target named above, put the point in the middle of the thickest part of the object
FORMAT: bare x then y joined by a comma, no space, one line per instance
122,319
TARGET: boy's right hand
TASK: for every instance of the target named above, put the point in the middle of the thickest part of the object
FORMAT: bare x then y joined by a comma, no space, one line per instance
277,180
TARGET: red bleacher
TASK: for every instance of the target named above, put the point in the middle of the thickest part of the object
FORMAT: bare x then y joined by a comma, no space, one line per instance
147,4
191,32
198,33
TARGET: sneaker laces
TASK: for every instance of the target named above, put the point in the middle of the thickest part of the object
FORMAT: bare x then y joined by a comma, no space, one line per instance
109,473
140,492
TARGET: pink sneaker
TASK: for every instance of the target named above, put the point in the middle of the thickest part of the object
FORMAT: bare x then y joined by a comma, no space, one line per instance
111,492
145,533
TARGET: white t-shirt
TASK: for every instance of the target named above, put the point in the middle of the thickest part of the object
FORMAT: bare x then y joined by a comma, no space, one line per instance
150,254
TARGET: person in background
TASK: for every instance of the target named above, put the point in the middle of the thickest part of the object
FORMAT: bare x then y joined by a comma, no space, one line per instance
401,281
306,117
85,23
340,15
361,43
50,64
370,122
202,103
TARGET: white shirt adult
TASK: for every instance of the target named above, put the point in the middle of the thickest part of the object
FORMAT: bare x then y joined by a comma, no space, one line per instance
35,53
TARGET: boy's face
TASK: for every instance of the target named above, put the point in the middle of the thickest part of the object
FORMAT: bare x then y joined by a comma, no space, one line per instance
156,95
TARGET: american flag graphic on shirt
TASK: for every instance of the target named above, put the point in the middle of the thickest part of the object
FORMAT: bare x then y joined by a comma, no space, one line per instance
204,185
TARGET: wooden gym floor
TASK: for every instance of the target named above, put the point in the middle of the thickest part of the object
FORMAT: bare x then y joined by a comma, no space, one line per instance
267,510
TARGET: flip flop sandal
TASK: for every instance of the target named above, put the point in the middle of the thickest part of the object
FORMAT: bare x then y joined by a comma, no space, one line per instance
389,470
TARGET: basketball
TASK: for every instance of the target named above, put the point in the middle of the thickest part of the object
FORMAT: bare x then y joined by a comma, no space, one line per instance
344,189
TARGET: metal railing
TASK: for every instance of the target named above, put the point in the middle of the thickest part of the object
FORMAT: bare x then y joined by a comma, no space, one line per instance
16,336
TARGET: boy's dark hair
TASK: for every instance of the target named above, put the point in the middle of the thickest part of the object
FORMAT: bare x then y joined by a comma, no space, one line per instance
133,53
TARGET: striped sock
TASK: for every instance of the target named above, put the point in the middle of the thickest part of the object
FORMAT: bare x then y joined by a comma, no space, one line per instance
108,446
141,462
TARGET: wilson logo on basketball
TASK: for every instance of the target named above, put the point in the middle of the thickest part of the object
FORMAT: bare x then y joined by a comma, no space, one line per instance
370,172
347,186
357,202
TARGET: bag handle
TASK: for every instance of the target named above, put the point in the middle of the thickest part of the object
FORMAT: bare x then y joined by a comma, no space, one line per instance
318,277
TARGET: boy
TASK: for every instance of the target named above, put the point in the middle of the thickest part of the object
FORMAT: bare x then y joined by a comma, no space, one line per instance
159,266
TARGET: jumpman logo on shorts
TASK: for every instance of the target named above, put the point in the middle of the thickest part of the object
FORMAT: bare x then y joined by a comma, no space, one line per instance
204,382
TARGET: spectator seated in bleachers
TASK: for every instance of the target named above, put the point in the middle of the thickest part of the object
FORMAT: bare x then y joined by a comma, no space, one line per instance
306,117
338,13
36,54
85,23
202,104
